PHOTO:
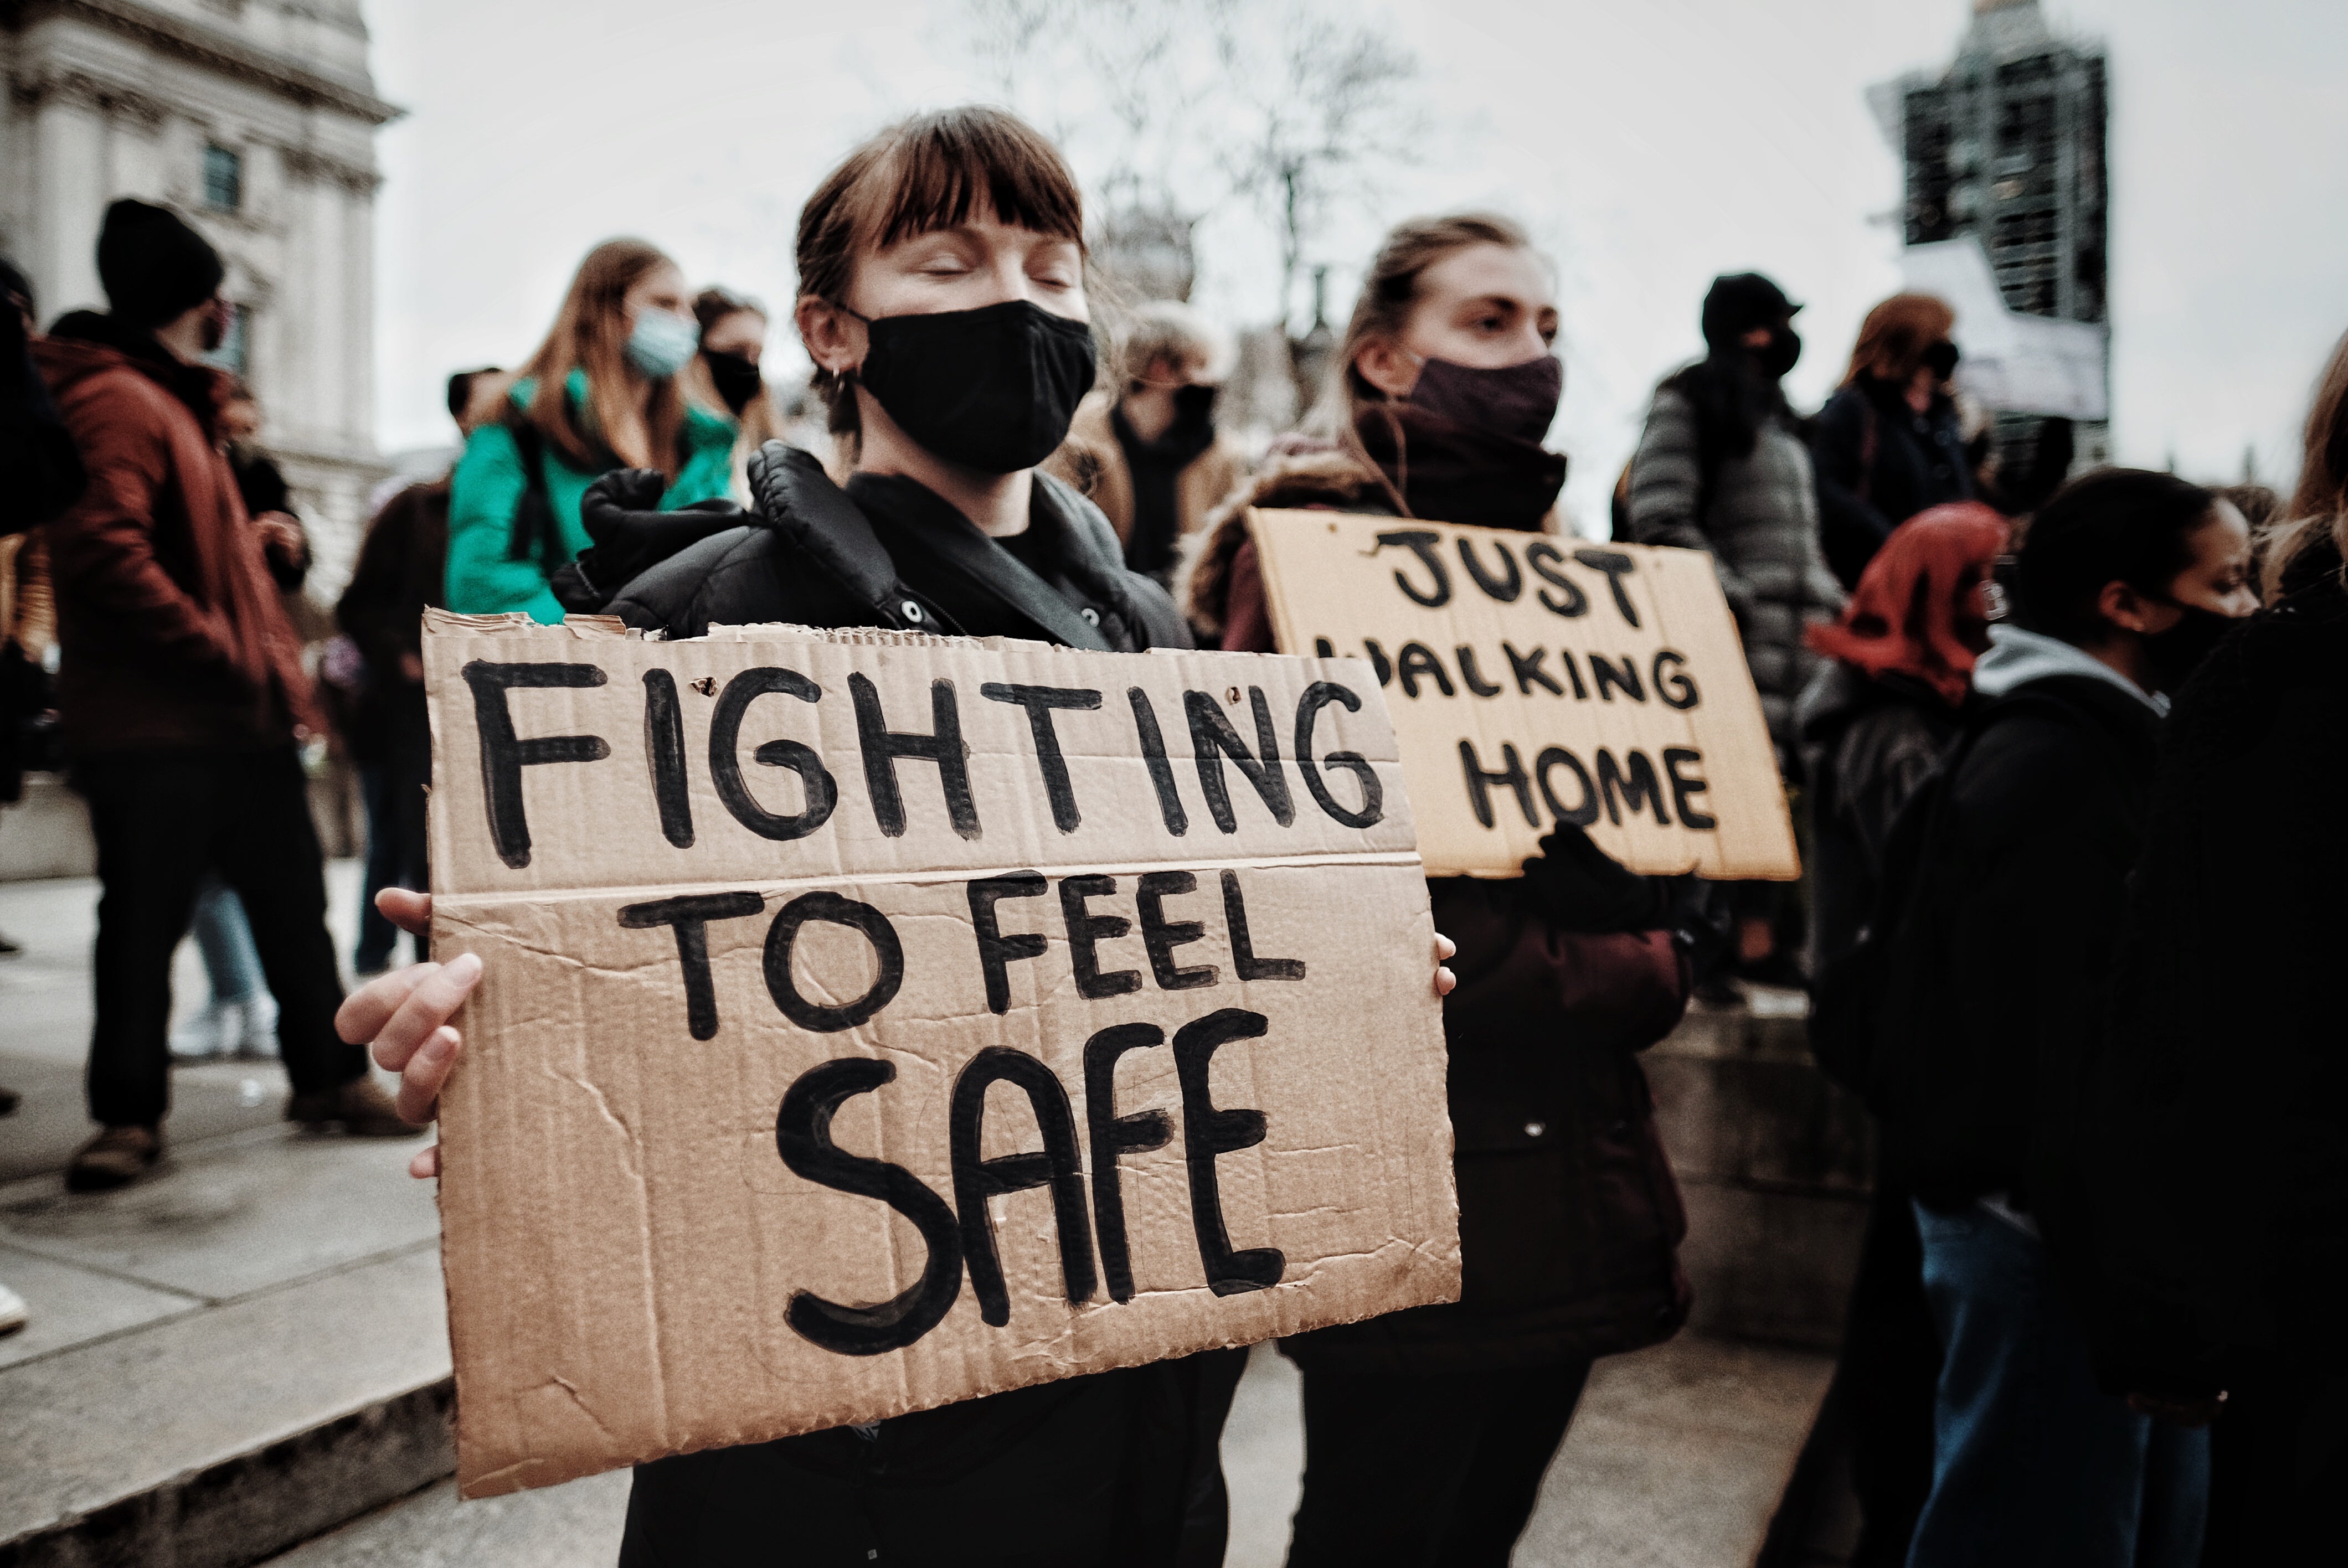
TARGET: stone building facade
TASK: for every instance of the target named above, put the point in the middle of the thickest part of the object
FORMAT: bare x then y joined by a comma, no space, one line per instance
256,120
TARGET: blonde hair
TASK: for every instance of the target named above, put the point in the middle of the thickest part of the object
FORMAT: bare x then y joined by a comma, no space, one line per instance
591,334
1171,332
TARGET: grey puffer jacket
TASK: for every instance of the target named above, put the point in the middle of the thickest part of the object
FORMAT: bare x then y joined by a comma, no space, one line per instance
1760,522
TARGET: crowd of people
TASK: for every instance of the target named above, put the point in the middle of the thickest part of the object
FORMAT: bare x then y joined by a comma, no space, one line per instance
2060,776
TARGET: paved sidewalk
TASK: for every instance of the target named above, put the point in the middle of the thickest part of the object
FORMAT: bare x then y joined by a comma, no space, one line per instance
250,1348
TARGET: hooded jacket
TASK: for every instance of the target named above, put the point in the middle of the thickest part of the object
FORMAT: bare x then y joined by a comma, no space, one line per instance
170,630
485,575
2000,966
1570,1218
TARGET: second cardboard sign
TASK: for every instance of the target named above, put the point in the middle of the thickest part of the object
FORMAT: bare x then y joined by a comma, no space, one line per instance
1536,681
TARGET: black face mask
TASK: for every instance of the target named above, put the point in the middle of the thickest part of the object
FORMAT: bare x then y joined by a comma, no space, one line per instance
1517,401
1780,353
2176,652
991,389
735,377
1194,404
1940,359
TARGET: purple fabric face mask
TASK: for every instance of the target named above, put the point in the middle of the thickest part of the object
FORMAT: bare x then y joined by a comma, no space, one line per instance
1518,400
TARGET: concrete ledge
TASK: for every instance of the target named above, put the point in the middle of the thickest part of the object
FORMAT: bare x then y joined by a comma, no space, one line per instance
1775,1162
215,1439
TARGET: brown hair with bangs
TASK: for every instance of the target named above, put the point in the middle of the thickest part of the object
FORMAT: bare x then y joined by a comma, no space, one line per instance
1894,336
591,334
933,171
2319,505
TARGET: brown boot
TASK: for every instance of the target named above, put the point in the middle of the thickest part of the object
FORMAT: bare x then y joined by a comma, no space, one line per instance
361,1109
115,1157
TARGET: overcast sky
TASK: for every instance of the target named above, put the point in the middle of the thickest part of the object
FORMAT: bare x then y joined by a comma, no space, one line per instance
1648,146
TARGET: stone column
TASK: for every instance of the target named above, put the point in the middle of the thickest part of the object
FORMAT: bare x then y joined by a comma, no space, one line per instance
68,199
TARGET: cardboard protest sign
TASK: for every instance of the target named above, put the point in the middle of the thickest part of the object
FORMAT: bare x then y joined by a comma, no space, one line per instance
873,1021
1533,680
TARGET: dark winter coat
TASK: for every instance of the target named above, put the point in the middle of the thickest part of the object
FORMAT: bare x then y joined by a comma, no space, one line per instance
1759,517
398,574
1879,464
1570,1218
1868,742
171,630
2216,1139
811,555
2000,966
885,552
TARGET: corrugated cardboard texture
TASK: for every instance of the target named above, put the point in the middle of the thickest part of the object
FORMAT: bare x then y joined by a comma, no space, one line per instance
1533,678
1146,1090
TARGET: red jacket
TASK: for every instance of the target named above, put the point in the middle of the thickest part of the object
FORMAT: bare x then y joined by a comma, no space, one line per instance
1570,1218
170,632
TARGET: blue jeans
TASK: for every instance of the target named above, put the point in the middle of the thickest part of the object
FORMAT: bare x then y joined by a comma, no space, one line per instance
224,937
2032,1463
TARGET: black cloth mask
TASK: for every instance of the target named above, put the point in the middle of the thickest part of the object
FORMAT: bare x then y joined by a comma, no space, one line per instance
2176,652
1781,352
991,389
1940,359
1518,400
735,377
1195,404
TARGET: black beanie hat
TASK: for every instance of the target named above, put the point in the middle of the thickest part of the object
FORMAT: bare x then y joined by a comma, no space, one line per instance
153,265
1739,303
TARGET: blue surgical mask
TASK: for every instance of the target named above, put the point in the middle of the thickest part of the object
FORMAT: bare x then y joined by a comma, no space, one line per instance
662,343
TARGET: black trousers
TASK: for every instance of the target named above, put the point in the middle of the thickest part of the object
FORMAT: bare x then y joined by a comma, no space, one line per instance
396,782
1116,1470
163,819
2278,1467
1425,1472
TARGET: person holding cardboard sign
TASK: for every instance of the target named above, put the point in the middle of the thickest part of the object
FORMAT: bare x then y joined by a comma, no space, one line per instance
1427,1430
942,299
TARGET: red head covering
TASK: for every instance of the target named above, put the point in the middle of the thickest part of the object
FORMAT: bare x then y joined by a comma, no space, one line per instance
1915,612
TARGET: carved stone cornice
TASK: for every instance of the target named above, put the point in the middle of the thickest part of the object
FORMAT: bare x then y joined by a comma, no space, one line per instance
108,96
305,163
206,47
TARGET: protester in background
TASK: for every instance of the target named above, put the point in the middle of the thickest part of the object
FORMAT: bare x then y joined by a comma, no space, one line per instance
1873,725
1427,1431
623,334
725,374
2215,1121
181,695
1148,452
2012,888
40,475
401,565
2018,489
1721,466
1887,445
941,299
267,500
2263,510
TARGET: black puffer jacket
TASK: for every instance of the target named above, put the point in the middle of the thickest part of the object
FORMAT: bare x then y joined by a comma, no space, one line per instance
809,554
2217,1135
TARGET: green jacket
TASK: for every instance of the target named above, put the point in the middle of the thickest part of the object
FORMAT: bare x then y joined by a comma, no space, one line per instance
488,484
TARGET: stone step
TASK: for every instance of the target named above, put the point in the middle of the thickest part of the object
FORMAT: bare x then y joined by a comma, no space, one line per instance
247,1349
215,1438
